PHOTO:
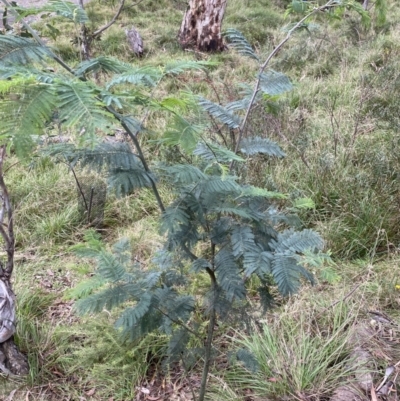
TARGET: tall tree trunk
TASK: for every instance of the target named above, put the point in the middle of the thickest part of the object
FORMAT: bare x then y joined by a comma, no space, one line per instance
11,360
201,25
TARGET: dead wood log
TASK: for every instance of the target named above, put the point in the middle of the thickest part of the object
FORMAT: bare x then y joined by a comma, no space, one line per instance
135,41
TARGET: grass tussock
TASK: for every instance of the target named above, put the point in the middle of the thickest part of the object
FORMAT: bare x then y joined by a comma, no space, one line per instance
306,347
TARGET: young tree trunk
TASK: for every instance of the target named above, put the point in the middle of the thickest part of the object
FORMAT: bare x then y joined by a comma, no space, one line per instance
11,360
201,25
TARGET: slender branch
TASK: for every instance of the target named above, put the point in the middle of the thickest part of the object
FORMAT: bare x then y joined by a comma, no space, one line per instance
191,255
211,326
89,212
180,323
140,155
264,66
6,26
116,16
78,185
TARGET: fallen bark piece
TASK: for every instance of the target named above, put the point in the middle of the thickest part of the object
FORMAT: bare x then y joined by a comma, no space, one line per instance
361,362
135,41
15,361
347,393
7,312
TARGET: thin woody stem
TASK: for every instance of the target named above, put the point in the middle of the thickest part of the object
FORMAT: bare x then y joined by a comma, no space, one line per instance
262,69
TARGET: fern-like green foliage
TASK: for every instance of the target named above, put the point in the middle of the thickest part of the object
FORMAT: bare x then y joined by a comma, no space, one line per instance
30,105
79,107
239,223
180,66
212,152
101,64
157,304
18,50
31,99
220,112
256,145
381,7
274,83
123,168
183,133
238,42
139,76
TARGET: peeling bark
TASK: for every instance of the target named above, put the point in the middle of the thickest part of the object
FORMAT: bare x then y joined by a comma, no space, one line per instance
12,362
201,25
7,311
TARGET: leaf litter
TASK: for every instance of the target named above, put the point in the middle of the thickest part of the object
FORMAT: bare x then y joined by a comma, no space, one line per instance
373,343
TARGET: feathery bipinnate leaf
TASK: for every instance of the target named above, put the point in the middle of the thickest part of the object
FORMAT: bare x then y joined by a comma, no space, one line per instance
228,275
274,83
124,181
101,64
287,274
80,108
18,50
154,311
200,265
238,42
182,174
266,298
257,145
177,345
215,186
220,112
150,76
220,230
257,260
173,219
109,99
26,116
133,124
85,288
255,192
286,269
298,241
248,360
108,299
130,317
211,152
122,251
124,170
140,76
110,267
238,105
180,66
242,240
106,155
233,211
182,133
